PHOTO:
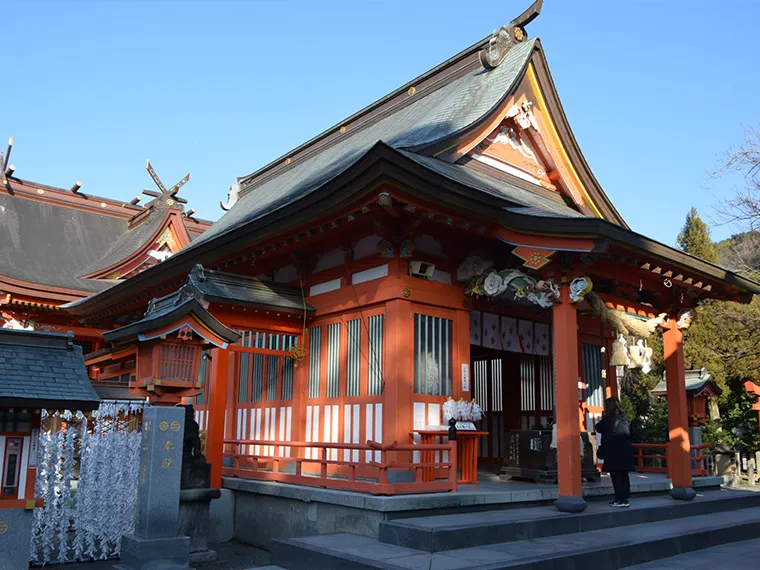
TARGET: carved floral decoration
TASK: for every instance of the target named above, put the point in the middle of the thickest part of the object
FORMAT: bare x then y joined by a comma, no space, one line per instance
484,281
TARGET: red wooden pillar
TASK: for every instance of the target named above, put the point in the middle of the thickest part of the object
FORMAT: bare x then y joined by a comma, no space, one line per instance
679,449
565,323
398,372
217,403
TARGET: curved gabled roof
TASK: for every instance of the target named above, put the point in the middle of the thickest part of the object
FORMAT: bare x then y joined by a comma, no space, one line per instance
430,114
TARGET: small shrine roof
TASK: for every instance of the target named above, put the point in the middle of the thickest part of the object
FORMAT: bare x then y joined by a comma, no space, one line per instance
166,311
696,382
43,370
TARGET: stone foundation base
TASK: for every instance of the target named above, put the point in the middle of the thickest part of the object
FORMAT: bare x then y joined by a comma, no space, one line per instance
154,553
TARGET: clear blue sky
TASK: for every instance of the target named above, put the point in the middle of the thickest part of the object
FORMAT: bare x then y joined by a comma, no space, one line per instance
656,91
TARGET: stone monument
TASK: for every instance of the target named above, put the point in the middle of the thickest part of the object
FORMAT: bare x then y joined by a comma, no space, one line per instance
156,544
195,495
16,536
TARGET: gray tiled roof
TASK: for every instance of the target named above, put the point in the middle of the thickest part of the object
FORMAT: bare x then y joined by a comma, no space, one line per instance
56,245
443,112
231,289
43,367
695,381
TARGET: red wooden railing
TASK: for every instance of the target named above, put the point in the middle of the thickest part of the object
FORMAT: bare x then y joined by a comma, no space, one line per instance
332,473
659,456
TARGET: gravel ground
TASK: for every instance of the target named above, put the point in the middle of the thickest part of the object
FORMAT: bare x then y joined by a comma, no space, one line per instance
231,556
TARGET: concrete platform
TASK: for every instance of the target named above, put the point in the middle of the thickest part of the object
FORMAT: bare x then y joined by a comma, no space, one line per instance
264,511
490,491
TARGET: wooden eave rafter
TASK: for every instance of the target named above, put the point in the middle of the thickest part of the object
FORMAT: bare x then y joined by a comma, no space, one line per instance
358,185
641,247
26,289
111,355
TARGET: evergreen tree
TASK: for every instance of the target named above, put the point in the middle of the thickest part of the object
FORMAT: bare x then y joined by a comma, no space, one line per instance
695,238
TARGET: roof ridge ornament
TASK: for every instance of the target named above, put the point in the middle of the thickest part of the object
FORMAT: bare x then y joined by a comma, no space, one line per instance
233,195
166,198
507,36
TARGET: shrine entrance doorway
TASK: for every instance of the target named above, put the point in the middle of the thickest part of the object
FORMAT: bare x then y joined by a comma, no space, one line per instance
516,392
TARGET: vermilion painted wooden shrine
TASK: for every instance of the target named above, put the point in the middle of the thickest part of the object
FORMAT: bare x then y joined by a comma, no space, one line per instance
449,240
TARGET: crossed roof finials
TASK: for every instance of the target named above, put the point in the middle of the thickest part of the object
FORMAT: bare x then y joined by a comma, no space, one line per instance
168,196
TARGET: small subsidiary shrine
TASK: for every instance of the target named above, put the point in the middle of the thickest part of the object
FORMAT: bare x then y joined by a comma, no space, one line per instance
447,242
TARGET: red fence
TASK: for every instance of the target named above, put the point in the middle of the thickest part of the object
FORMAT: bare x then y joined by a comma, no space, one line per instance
317,465
653,458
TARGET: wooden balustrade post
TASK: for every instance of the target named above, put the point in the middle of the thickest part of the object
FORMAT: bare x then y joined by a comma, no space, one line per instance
679,449
565,325
383,478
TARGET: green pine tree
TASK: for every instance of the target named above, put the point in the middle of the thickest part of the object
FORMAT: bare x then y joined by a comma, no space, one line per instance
695,239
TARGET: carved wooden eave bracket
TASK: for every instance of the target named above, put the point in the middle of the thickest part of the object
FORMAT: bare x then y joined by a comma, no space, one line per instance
507,36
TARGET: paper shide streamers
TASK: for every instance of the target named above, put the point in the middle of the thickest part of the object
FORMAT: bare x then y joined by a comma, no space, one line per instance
87,473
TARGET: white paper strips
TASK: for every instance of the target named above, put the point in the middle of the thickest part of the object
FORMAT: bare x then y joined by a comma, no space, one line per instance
87,475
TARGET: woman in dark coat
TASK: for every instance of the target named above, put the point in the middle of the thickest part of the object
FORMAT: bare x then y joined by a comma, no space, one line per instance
616,449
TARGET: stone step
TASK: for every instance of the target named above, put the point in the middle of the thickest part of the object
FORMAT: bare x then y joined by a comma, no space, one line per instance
733,556
449,532
607,549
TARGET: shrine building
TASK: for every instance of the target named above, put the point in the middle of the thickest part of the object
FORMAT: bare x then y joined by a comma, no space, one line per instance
447,241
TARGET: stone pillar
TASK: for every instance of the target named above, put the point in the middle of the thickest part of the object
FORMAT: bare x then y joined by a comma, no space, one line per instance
196,493
679,448
155,543
565,323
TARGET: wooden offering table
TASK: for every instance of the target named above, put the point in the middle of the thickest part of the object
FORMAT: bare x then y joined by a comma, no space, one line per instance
467,453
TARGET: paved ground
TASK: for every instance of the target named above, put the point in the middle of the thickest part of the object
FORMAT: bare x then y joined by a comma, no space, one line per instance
734,556
231,556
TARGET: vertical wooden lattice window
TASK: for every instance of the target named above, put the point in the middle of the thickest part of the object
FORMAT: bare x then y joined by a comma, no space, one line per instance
527,383
315,361
177,362
353,357
593,364
432,355
375,384
546,378
288,368
333,360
